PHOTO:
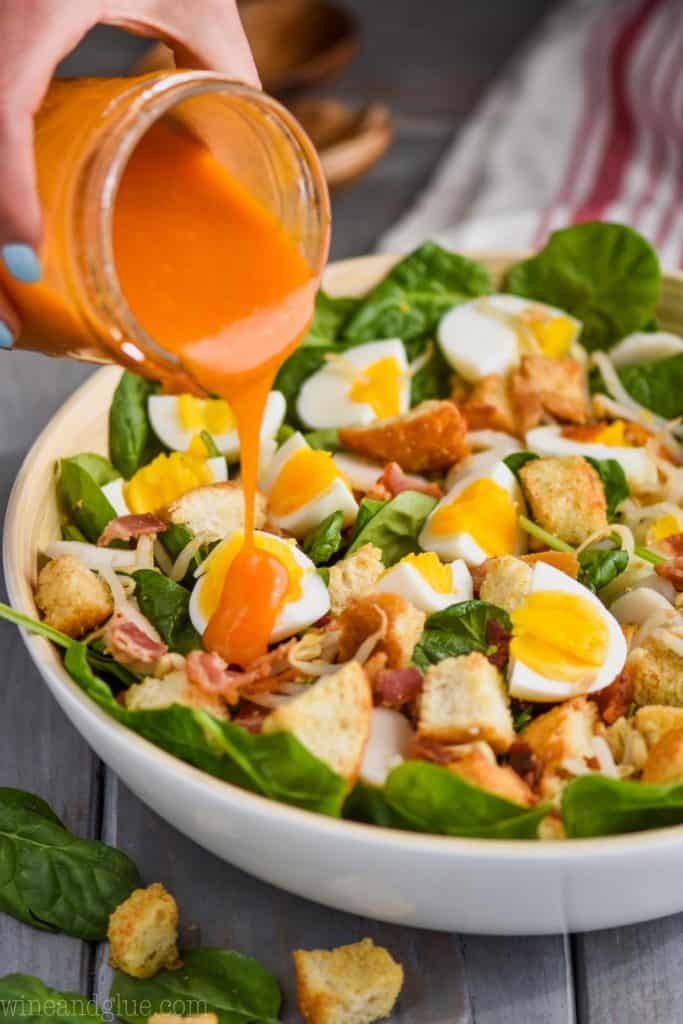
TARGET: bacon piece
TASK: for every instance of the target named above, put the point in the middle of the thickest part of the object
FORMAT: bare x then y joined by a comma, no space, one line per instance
396,481
394,687
498,637
250,717
132,640
211,674
130,527
525,762
672,571
672,545
422,749
478,573
615,700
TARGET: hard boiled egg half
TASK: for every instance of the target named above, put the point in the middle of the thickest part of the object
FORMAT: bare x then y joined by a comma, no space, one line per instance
564,641
163,480
608,442
426,582
478,518
177,419
364,383
489,334
306,601
304,486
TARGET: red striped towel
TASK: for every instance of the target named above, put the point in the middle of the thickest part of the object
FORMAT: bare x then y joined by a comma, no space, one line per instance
587,124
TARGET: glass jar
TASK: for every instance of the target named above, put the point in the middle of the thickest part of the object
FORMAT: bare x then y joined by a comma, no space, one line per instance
85,132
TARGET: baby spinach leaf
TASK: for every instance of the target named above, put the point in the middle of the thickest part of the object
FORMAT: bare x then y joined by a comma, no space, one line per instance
327,440
516,460
597,568
234,987
415,294
96,466
657,385
132,442
71,532
433,380
594,805
329,318
368,508
25,998
295,370
81,499
166,605
459,629
614,482
52,880
284,434
325,540
395,526
606,275
175,538
367,804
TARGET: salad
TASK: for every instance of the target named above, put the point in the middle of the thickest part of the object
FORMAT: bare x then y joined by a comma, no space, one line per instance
476,491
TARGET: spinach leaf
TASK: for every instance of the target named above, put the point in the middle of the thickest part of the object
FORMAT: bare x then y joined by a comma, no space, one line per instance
273,764
325,540
329,318
52,880
295,370
657,385
25,998
598,568
415,294
103,663
166,605
368,508
459,629
594,805
174,539
516,460
327,440
614,482
395,527
81,499
96,466
425,797
433,380
234,987
606,275
284,434
132,442
71,532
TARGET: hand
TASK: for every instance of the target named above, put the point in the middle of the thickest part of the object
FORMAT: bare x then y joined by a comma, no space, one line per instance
36,34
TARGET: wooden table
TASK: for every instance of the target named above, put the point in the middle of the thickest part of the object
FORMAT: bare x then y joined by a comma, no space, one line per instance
429,61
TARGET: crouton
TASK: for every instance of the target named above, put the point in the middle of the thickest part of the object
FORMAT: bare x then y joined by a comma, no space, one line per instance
331,719
354,576
558,384
627,745
174,1018
506,582
430,437
495,778
657,674
655,720
216,510
174,688
665,760
465,699
365,615
143,932
565,496
72,597
564,733
355,984
488,407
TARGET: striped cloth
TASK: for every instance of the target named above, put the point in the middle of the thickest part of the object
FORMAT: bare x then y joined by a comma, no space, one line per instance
587,124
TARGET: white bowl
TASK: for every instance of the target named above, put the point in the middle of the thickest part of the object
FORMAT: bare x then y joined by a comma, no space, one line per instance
467,885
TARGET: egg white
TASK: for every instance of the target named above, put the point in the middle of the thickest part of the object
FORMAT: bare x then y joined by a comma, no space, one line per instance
166,424
336,497
638,465
388,745
475,344
115,495
463,545
526,684
406,581
361,473
324,401
294,616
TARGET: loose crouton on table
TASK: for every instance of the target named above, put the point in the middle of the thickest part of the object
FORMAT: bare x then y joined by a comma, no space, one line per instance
430,437
355,984
365,615
174,688
354,576
331,719
216,510
72,598
565,732
143,932
464,699
506,581
496,778
565,496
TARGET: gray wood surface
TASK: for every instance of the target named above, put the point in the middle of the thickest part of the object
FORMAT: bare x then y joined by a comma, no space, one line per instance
429,61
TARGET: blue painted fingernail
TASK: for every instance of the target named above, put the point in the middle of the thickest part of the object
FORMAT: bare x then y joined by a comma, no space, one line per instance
6,337
21,262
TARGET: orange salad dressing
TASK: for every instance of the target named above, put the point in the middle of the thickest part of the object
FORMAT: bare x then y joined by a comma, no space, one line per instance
212,277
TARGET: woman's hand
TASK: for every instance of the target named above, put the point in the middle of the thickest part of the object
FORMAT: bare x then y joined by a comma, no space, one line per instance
36,34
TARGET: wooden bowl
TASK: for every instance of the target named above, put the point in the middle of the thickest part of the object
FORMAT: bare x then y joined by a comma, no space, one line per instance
348,141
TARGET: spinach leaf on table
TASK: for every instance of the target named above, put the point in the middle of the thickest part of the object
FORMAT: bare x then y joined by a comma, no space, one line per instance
234,987
459,629
395,526
81,499
614,482
25,998
594,805
132,442
321,543
166,605
52,880
606,275
598,567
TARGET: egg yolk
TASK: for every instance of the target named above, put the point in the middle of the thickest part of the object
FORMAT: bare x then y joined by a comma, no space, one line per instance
614,435
212,414
485,511
663,527
554,334
560,636
432,570
305,475
378,385
222,557
164,479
